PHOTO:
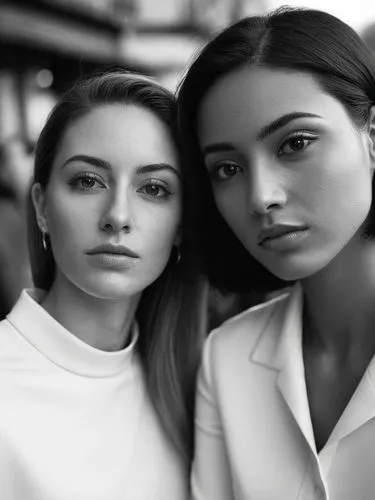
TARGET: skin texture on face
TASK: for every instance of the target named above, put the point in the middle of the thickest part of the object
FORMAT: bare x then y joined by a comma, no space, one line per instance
115,180
280,151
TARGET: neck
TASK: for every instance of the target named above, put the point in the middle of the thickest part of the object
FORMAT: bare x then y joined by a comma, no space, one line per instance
339,301
101,323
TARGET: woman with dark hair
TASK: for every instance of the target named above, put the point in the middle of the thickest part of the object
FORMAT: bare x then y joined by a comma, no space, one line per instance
97,364
277,118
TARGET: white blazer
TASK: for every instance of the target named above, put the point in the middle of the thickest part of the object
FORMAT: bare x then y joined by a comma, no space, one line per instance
254,437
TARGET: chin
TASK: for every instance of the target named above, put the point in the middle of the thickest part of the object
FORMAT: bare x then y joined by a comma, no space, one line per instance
111,289
295,271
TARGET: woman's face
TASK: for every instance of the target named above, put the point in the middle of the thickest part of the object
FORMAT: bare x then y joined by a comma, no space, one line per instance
112,205
290,172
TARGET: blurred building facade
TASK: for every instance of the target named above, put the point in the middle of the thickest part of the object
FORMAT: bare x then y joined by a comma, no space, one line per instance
170,32
46,44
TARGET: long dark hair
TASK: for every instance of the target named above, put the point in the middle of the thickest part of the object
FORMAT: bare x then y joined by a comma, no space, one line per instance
303,40
170,310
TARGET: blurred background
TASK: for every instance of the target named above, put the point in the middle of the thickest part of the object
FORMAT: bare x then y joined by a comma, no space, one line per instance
47,44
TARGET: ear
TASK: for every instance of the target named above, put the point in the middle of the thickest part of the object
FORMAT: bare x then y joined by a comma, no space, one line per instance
371,135
39,201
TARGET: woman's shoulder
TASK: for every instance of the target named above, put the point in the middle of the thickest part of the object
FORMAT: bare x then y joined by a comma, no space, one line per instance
244,329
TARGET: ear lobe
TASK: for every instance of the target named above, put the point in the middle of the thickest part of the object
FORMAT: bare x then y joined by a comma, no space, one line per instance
39,202
371,135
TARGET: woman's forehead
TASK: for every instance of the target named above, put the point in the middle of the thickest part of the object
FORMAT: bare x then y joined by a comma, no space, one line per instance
252,97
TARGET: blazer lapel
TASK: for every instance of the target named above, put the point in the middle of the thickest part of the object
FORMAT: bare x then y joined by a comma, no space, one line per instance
360,409
291,380
349,453
280,348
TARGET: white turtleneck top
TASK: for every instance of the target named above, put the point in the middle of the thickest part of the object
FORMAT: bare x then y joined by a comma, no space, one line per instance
76,422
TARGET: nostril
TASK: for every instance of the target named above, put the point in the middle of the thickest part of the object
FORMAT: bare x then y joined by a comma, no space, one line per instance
273,206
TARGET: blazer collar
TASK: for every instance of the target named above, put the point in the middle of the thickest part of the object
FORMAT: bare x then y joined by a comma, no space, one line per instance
279,348
280,331
360,409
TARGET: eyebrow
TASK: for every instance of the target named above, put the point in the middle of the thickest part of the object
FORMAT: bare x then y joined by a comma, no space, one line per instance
265,132
142,169
92,160
218,147
156,167
281,122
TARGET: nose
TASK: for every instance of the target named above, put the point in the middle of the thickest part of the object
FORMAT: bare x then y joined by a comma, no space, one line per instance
266,191
116,215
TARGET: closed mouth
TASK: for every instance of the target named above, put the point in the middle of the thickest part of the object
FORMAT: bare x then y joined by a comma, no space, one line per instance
119,250
277,231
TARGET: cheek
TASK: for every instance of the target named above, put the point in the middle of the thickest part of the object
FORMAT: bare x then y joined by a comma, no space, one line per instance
69,222
355,204
342,190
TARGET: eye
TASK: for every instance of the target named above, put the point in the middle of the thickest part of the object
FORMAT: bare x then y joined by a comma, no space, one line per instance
296,143
86,182
224,171
155,189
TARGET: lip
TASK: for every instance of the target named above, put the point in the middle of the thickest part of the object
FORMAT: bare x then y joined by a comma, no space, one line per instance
110,249
277,231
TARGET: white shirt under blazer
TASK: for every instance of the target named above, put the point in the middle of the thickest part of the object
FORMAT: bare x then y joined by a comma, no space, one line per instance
254,436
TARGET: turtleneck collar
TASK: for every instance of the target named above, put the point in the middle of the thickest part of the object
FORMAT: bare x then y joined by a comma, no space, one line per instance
60,346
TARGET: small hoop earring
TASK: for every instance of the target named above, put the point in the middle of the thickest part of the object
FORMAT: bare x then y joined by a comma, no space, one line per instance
44,240
178,258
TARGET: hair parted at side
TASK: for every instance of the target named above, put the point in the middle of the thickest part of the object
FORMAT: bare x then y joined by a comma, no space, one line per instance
170,310
303,40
